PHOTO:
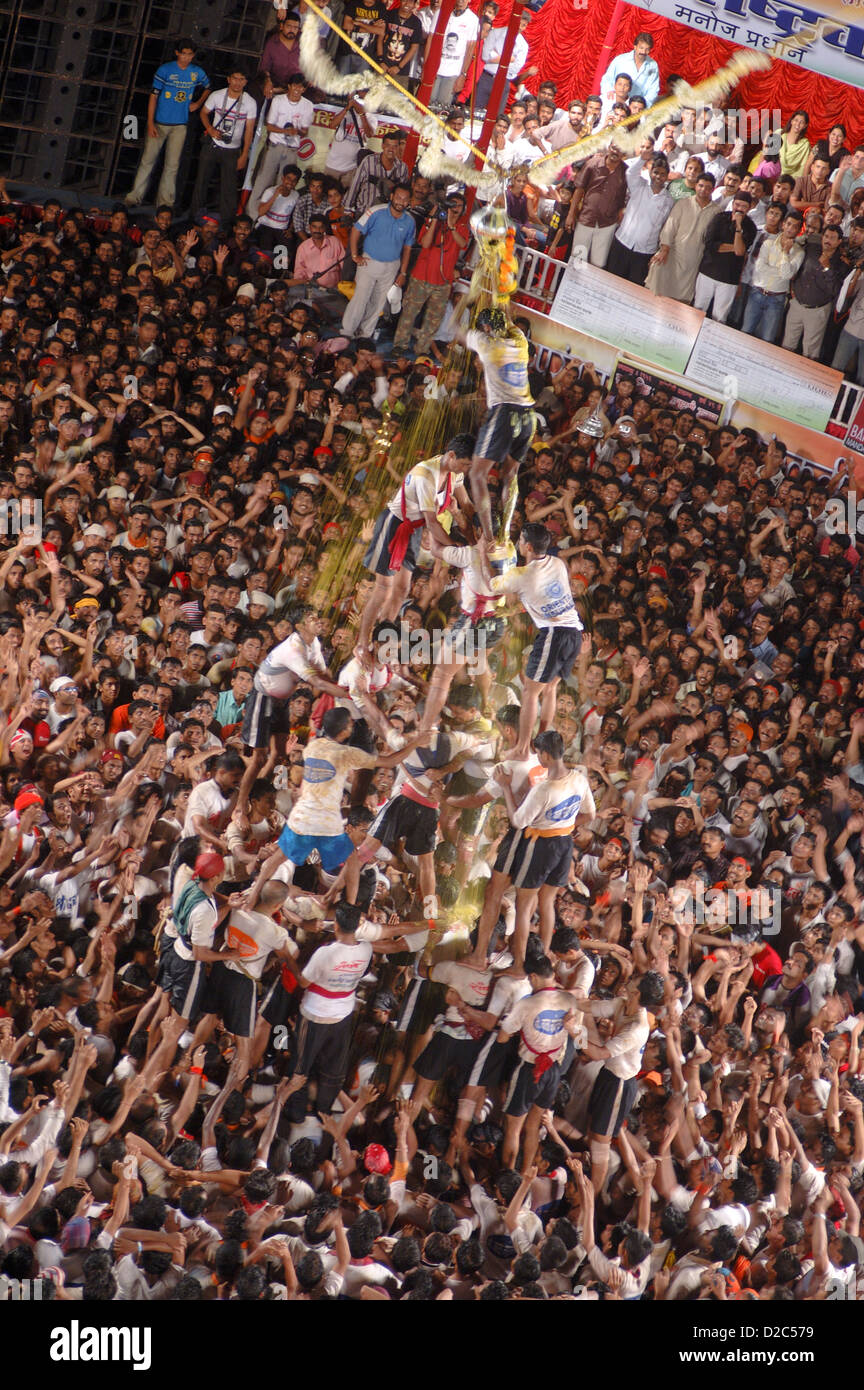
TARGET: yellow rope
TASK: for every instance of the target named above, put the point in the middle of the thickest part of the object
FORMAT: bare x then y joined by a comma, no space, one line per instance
370,62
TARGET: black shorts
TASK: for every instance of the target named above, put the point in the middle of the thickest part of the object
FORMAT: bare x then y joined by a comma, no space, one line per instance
404,819
553,654
471,637
524,1091
277,1005
422,1004
542,860
508,852
264,715
443,1052
322,1048
611,1102
494,1061
506,432
377,557
232,996
185,982
166,953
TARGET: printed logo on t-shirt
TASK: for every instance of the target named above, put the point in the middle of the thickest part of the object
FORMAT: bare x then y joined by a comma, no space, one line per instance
239,941
565,810
318,770
549,1021
347,967
514,373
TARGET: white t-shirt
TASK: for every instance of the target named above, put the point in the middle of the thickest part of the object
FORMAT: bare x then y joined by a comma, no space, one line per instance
461,30
66,896
338,969
525,771
254,935
282,112
282,210
440,751
543,589
326,766
343,152
228,116
554,805
628,1044
276,676
353,675
539,1019
473,598
206,800
509,989
471,985
202,928
424,490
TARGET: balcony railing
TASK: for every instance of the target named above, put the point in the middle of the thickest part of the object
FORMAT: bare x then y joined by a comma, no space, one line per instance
540,276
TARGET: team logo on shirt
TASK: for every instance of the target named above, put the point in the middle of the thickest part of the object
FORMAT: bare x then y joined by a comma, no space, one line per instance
565,810
514,373
238,941
318,770
549,1021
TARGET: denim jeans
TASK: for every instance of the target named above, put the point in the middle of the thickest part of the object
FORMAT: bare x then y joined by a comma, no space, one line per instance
764,314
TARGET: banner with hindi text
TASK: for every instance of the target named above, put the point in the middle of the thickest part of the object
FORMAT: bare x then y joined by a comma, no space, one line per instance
762,24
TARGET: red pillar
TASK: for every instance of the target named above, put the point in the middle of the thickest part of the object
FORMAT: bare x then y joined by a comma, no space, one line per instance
429,74
607,52
495,95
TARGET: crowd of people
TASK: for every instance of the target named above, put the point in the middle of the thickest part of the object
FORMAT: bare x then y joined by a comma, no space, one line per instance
383,914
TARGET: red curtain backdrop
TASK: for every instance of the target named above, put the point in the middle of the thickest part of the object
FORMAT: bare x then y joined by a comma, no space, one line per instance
565,44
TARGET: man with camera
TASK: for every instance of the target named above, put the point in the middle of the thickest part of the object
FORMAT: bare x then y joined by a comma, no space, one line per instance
288,121
376,177
318,269
442,240
228,117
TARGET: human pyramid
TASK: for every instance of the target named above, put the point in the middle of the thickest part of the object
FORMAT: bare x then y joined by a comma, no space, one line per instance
514,1019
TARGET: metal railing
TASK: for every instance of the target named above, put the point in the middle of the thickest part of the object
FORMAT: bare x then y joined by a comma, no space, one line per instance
540,276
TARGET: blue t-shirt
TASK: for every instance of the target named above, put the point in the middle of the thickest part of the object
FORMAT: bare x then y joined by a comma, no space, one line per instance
383,234
174,86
